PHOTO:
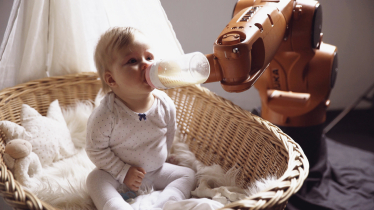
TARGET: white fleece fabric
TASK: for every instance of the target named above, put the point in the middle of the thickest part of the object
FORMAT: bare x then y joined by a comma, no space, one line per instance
117,139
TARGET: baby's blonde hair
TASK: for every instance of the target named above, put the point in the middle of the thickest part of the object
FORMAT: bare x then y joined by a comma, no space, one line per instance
109,44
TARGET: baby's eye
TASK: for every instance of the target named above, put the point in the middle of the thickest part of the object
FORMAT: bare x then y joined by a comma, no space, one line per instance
149,58
132,60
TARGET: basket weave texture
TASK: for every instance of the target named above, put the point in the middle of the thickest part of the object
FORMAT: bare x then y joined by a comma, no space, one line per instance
217,132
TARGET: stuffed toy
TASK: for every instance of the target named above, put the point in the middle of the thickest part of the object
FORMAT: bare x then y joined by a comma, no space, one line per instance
20,159
38,143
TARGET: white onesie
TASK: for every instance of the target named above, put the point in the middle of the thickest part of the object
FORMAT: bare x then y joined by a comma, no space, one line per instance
118,138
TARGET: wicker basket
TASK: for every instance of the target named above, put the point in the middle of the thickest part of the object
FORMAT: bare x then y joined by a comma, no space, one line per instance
217,132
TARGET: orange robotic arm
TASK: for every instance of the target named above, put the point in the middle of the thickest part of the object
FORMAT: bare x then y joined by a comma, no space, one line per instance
277,43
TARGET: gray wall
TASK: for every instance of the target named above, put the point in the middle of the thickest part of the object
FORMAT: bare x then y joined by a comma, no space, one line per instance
5,7
347,24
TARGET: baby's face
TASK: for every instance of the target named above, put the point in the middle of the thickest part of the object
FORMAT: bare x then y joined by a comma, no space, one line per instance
129,67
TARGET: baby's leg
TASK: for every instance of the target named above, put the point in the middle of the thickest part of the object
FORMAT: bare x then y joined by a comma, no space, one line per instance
102,188
176,183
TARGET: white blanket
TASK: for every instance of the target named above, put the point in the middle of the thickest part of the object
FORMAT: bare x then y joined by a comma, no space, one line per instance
63,186
193,204
145,202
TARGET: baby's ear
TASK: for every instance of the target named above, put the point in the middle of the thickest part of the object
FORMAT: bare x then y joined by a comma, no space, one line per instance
109,80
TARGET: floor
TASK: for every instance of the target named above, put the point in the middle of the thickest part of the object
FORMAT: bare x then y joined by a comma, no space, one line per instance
356,129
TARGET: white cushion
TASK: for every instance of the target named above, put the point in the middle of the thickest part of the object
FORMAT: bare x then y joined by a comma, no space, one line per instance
49,136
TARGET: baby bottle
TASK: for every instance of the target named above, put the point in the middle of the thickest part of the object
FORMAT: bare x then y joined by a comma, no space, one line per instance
184,70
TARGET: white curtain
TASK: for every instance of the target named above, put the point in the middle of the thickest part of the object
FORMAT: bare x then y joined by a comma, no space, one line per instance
58,37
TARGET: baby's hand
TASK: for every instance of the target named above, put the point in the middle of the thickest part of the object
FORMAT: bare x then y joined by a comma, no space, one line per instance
134,178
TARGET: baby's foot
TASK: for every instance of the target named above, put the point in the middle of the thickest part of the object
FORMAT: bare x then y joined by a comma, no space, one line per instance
129,196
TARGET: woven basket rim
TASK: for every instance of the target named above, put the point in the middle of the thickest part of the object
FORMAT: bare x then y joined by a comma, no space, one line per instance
287,185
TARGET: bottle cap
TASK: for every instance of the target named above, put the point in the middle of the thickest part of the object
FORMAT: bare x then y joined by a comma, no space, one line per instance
147,76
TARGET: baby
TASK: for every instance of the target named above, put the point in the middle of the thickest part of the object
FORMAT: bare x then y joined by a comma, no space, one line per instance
130,133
